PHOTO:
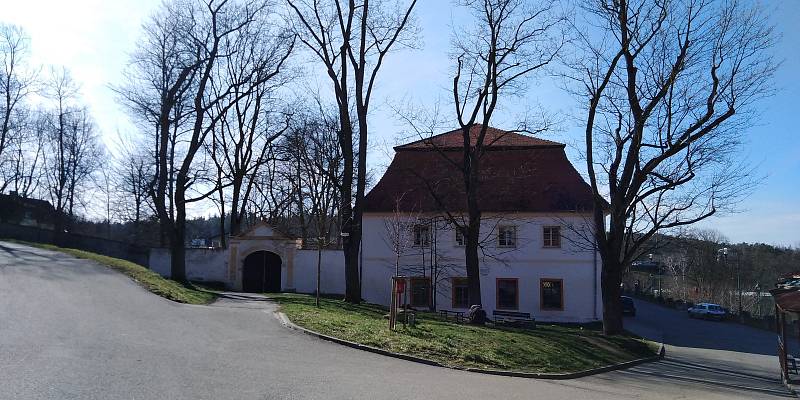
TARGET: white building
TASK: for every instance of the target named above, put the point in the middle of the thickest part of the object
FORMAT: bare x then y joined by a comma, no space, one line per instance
535,255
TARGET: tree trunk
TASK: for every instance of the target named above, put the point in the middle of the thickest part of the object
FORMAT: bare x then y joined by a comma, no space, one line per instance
351,223
611,278
235,223
351,253
473,260
178,239
178,255
473,235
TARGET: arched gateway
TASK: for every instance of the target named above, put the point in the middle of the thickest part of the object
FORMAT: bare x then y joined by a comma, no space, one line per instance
261,272
262,260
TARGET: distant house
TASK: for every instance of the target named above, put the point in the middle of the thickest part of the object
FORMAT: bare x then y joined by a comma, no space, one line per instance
535,256
536,218
18,210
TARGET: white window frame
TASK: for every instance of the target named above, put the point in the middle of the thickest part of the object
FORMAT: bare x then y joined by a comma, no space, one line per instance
501,238
549,236
424,242
458,235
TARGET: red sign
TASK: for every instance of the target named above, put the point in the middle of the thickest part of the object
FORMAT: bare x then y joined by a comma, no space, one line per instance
401,286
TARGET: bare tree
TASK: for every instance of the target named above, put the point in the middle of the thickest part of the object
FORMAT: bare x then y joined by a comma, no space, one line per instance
132,176
186,46
241,139
399,228
351,40
669,87
509,41
314,167
23,171
313,146
161,73
272,198
16,83
72,148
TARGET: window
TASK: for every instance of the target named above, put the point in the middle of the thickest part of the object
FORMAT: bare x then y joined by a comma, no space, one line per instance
460,241
420,292
507,236
422,235
551,236
507,294
552,294
460,293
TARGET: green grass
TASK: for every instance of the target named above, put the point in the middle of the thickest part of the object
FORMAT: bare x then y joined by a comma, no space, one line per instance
167,288
548,348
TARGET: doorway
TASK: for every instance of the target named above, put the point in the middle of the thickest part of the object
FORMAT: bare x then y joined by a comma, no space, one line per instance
262,273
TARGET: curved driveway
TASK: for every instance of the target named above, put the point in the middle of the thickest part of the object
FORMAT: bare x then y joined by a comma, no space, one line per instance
71,329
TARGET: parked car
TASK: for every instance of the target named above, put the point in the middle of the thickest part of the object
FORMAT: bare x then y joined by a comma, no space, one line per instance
707,311
628,308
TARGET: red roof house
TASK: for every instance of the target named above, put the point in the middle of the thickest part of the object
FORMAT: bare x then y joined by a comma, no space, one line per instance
518,173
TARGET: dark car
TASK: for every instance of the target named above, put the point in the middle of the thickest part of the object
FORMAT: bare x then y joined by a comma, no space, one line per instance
628,308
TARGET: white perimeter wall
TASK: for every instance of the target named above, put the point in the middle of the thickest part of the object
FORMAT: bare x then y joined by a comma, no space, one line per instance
529,262
331,271
208,265
212,265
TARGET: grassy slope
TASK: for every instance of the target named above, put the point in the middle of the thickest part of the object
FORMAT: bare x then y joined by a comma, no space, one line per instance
547,348
150,280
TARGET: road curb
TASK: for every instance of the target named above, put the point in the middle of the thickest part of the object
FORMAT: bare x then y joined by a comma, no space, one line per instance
530,375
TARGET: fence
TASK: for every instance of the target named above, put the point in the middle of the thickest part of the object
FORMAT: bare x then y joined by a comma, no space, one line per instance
111,248
755,303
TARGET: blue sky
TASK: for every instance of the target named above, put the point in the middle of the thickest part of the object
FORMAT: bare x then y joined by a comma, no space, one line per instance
94,37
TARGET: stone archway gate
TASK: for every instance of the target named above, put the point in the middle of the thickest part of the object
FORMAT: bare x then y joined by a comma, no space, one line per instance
262,237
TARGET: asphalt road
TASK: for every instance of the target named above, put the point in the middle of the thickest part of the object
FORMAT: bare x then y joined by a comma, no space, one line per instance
71,329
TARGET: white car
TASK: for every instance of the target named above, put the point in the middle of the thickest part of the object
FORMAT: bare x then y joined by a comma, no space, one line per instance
707,311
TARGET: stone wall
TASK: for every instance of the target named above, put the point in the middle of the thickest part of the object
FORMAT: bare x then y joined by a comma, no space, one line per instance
204,265
106,247
331,268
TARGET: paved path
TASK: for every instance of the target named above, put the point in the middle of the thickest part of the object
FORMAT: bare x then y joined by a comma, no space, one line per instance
71,329
721,354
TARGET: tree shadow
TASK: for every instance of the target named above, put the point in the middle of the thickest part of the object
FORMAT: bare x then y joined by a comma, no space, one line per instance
674,327
714,378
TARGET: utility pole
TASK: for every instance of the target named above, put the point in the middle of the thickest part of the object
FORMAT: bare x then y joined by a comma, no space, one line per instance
724,252
320,240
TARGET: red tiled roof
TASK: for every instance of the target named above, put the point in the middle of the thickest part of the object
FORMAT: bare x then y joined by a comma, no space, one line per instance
787,299
494,138
521,175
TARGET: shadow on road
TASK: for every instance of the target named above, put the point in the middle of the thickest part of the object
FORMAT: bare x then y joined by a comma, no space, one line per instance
681,371
21,252
719,356
674,327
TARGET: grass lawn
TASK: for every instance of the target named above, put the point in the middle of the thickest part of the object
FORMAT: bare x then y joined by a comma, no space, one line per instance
150,280
548,348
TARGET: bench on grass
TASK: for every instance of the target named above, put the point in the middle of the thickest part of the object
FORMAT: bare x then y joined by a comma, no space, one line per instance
513,317
791,363
457,316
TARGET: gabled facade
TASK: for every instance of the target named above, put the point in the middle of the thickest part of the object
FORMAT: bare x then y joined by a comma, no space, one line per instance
536,253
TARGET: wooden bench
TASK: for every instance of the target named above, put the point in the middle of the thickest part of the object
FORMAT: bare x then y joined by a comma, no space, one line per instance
457,316
791,363
513,317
